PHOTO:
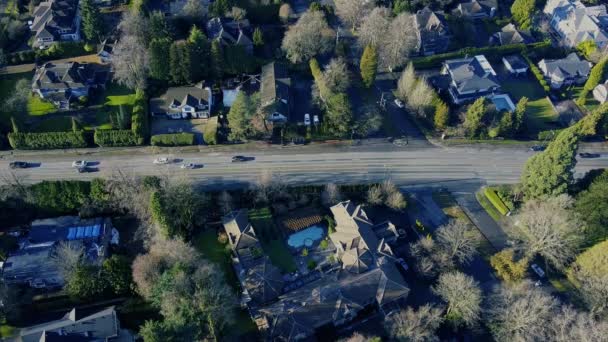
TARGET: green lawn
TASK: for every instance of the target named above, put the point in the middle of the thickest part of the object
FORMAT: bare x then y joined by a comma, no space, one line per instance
116,95
488,206
36,106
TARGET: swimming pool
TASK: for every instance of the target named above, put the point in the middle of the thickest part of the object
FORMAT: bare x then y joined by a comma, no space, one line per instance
503,102
306,237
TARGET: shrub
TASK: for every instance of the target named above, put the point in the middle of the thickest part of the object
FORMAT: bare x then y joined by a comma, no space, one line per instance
507,268
60,197
48,140
538,74
115,138
176,139
311,264
496,201
210,131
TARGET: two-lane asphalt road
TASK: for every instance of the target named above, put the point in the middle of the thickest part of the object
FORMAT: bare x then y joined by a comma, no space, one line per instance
349,166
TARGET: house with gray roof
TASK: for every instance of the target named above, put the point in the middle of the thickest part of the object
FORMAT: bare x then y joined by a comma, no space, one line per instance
431,31
63,83
565,71
477,9
189,102
470,78
230,32
509,35
576,23
275,91
600,92
55,20
32,263
77,325
515,64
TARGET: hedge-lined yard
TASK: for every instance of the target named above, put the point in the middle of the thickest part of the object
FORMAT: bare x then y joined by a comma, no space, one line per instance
175,139
48,140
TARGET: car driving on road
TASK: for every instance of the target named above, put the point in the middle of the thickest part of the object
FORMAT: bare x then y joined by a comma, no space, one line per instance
399,103
80,163
188,166
589,155
19,165
84,169
537,148
161,161
239,159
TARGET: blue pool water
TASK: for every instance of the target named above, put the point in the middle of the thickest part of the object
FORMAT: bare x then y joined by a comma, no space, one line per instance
305,237
503,102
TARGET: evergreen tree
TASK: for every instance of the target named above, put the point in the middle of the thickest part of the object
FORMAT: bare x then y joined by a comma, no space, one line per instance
14,125
180,63
91,20
338,115
199,54
159,55
550,172
506,125
75,125
217,60
442,115
369,65
474,117
522,11
239,117
597,75
158,26
258,37
219,8
520,116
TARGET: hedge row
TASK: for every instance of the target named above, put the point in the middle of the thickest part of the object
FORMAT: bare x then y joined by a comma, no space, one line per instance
491,52
176,139
56,51
115,138
496,201
48,140
538,74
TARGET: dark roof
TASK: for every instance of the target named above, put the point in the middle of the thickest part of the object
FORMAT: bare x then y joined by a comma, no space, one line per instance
516,62
570,66
68,75
510,35
472,73
264,281
275,87
181,96
433,30
98,326
477,7
53,15
230,32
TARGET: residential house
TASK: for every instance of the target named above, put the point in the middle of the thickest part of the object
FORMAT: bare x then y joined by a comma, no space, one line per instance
477,9
576,23
432,32
32,264
106,48
78,325
194,102
470,78
275,91
565,71
230,33
509,35
62,83
288,309
55,20
600,92
515,64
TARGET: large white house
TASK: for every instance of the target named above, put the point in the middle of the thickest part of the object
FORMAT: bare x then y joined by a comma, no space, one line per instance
193,102
55,20
577,23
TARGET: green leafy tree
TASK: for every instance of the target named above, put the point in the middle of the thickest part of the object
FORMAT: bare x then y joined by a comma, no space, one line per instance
180,63
159,55
519,119
217,60
219,8
550,172
442,115
156,331
239,117
592,205
338,116
400,6
587,48
474,117
92,25
369,65
522,11
199,54
597,75
86,282
116,271
258,37
158,26
14,125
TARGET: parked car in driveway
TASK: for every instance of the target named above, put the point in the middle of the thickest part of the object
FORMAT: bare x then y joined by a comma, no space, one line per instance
315,119
19,165
307,119
399,103
161,161
277,117
539,271
80,163
589,155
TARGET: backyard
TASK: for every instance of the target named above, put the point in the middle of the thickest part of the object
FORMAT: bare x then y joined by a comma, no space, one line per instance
272,239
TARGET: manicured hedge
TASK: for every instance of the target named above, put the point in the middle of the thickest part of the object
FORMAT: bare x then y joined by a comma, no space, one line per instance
176,139
48,140
56,51
115,138
496,201
538,74
491,52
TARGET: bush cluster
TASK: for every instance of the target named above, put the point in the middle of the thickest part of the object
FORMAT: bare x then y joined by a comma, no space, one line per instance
47,140
56,51
538,74
491,52
115,138
175,139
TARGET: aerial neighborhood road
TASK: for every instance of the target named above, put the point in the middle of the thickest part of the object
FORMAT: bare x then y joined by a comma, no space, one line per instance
404,166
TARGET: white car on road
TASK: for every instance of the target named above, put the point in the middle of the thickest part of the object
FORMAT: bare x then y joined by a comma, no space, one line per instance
188,166
80,163
161,161
399,103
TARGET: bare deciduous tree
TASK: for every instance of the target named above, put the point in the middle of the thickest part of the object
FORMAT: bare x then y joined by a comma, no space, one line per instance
457,240
336,76
18,99
520,312
571,325
400,40
194,10
358,337
130,62
406,83
374,27
67,256
411,325
285,12
352,11
331,195
374,195
421,96
593,290
308,37
395,200
462,295
548,228
430,258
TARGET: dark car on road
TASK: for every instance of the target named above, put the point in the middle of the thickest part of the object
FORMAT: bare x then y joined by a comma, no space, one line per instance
19,165
239,159
86,169
589,155
537,148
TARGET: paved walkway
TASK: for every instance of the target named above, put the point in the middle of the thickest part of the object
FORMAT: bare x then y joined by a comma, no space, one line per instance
21,68
486,224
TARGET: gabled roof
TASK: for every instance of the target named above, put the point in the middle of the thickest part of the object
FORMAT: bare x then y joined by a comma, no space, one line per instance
510,35
432,30
68,75
471,74
264,281
53,15
571,66
477,7
357,260
229,32
180,97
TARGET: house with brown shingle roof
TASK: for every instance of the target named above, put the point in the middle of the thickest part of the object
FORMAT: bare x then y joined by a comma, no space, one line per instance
55,20
432,32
